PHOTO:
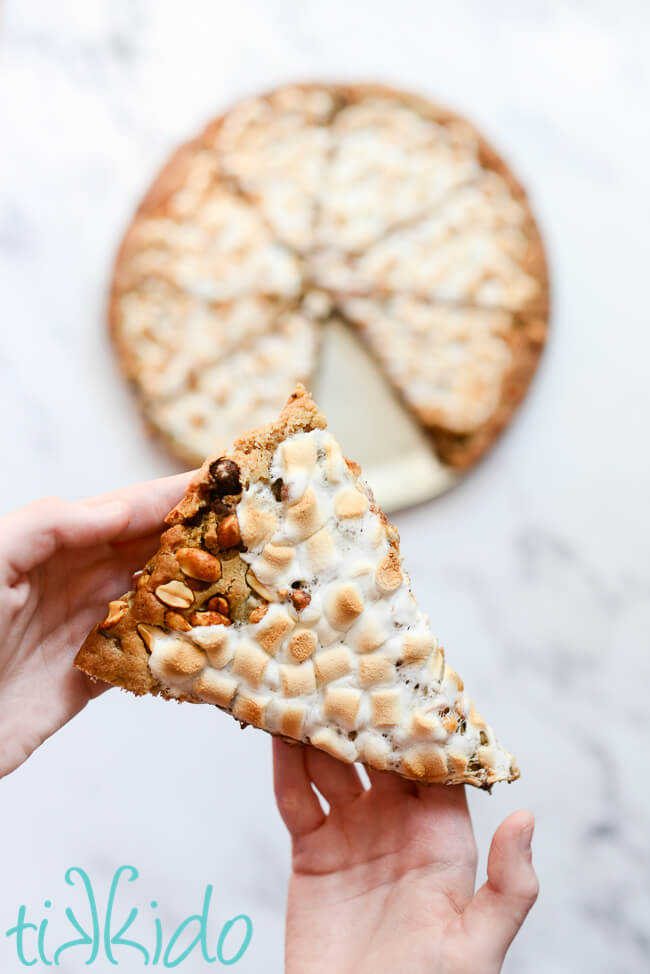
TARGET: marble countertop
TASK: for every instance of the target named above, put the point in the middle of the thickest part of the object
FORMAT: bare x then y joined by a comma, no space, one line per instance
535,571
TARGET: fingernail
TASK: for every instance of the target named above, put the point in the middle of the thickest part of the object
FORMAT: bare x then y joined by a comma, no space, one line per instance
526,837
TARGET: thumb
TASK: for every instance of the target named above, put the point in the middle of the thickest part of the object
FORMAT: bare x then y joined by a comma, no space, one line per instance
496,912
31,535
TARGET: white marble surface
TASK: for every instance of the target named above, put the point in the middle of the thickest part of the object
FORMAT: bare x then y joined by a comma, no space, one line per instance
534,571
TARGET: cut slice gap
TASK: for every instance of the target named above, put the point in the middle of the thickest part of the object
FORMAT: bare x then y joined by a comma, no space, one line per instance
349,383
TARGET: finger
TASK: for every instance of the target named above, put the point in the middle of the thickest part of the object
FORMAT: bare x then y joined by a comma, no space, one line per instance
337,782
110,579
298,805
133,555
389,783
450,797
32,534
498,909
148,503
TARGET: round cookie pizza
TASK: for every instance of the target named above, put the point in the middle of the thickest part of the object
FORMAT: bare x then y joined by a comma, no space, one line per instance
315,202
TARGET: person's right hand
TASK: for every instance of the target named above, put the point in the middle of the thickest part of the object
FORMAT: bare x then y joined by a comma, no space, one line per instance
384,883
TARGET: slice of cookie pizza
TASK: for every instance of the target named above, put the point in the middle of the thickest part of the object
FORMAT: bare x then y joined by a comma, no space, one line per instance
278,595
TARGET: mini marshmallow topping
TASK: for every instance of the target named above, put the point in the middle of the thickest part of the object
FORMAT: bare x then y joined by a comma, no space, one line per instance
328,646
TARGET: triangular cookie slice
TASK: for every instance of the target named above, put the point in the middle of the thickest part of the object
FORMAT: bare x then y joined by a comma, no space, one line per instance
278,595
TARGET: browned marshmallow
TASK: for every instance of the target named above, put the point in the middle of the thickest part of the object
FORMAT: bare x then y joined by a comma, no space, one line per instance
350,503
292,719
182,658
215,687
328,740
304,517
417,646
345,604
342,706
385,709
298,681
425,762
389,574
255,525
376,668
332,664
302,644
250,708
250,662
271,632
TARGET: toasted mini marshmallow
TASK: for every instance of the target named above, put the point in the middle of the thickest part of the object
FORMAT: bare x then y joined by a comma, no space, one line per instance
302,644
385,707
373,749
217,643
298,454
334,463
417,646
250,708
298,681
321,552
249,662
292,718
256,525
331,664
271,632
376,668
181,658
341,706
368,635
350,503
215,687
304,518
273,566
344,606
339,747
425,763
389,573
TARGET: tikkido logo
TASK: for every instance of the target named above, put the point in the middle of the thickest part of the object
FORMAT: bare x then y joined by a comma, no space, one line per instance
99,936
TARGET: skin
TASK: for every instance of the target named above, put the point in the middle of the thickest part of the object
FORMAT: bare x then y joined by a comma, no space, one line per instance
382,882
60,564
385,880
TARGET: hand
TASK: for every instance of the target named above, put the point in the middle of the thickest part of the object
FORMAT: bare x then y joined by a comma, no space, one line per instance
385,881
60,564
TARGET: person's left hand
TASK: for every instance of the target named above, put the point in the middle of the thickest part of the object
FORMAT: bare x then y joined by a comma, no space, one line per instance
60,564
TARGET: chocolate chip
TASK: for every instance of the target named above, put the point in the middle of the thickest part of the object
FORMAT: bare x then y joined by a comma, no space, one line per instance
220,508
224,474
276,488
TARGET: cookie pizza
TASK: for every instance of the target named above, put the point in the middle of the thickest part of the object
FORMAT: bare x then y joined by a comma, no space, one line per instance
354,201
278,595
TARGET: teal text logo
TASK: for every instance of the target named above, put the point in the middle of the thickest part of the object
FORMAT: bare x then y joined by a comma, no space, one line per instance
97,934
